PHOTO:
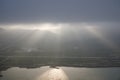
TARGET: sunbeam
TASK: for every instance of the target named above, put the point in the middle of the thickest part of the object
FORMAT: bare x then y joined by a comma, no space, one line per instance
44,34
104,40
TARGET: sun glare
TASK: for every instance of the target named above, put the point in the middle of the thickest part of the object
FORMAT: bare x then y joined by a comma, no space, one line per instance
53,74
49,27
54,28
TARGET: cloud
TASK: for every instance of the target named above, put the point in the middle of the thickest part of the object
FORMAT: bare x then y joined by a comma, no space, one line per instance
39,11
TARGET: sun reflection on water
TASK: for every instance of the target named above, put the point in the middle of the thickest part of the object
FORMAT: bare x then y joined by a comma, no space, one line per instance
53,74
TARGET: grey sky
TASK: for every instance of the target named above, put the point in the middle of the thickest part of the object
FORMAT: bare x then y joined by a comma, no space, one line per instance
22,11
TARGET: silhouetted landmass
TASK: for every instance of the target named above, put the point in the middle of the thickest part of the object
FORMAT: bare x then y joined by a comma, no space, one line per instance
35,62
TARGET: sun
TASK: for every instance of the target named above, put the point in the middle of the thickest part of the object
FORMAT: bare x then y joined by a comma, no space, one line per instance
49,27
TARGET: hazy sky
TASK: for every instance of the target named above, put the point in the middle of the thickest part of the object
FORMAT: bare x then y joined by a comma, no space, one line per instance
65,11
22,11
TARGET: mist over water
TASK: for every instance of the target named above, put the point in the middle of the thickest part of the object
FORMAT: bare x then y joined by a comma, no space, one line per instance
63,73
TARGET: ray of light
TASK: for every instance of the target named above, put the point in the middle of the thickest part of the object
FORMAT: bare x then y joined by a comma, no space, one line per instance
37,33
46,31
34,39
75,33
104,40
